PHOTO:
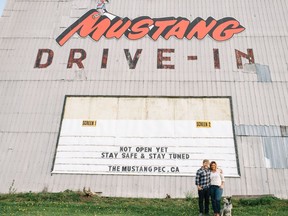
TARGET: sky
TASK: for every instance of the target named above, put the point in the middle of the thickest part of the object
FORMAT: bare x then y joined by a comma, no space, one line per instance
2,5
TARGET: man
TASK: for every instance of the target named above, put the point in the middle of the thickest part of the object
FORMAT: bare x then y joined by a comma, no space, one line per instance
202,182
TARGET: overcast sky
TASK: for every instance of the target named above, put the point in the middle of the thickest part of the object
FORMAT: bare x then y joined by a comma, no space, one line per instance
2,5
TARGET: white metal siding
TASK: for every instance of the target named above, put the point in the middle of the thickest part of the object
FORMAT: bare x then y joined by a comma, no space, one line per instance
32,99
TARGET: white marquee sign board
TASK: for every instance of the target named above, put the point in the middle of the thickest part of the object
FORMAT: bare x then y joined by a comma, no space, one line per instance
145,136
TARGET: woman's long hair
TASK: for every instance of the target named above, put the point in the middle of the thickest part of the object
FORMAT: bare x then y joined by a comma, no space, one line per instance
213,162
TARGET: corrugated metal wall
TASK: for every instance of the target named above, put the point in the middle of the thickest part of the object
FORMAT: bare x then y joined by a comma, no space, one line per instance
32,98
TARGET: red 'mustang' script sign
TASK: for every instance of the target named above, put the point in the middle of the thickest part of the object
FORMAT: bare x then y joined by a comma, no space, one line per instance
95,26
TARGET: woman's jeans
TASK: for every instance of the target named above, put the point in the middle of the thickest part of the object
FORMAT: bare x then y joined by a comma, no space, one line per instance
216,194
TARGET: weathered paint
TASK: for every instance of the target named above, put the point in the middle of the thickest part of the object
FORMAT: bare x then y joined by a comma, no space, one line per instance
161,57
216,59
239,55
132,62
76,60
104,58
252,70
50,56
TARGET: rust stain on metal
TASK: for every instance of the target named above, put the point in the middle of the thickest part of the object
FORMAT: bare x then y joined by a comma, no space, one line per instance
132,62
161,58
216,58
192,58
72,59
104,58
284,130
39,57
249,56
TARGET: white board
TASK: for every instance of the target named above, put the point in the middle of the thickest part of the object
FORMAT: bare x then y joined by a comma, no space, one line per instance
145,136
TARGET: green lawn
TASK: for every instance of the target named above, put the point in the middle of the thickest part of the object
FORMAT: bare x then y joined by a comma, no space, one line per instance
76,203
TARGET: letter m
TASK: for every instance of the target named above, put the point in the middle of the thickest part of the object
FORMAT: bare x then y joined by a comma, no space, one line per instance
89,24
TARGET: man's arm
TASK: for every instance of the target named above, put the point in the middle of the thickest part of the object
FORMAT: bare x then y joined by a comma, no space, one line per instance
197,180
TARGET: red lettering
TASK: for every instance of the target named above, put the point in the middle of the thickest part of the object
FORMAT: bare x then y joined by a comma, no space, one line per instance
178,29
118,28
104,58
77,61
216,58
96,25
77,56
239,55
159,27
226,29
39,58
161,58
97,30
200,28
140,28
87,24
132,63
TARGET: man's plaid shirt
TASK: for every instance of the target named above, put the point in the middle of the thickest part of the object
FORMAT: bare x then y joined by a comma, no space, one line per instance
203,177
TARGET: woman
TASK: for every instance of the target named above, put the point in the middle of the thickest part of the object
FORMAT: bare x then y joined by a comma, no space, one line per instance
216,188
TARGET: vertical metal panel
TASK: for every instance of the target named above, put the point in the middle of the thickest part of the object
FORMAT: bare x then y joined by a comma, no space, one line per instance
32,99
276,152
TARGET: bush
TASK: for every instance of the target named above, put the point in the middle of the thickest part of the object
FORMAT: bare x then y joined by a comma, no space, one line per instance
189,196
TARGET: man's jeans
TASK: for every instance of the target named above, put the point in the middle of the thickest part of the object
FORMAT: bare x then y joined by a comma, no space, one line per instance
204,197
216,194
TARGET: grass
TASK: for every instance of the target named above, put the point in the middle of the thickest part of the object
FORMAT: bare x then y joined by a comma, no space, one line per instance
76,203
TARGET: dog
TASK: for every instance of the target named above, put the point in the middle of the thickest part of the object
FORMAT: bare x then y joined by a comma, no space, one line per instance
227,207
